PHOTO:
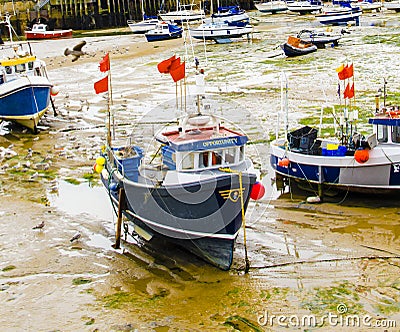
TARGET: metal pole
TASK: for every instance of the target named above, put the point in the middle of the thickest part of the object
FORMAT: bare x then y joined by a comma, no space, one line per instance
121,207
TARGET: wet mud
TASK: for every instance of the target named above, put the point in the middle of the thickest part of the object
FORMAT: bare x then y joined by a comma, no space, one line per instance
322,267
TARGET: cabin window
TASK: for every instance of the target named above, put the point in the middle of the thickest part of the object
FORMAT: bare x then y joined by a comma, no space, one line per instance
203,159
241,154
216,157
8,70
230,156
395,134
188,161
30,65
381,134
20,68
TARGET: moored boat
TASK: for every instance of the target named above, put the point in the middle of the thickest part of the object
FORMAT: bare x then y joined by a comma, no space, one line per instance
194,189
392,5
295,47
164,31
228,14
341,12
271,6
24,86
147,24
42,31
368,6
320,38
304,6
221,30
183,13
365,162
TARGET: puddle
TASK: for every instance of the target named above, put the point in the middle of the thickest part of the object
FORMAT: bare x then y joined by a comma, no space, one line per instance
82,199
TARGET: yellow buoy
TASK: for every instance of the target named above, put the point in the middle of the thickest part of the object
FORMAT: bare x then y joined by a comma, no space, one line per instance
100,161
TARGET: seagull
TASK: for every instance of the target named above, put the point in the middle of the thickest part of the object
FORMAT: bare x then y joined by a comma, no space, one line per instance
76,237
76,52
39,226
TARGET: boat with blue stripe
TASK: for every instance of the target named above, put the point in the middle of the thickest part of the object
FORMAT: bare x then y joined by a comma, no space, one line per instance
24,85
366,162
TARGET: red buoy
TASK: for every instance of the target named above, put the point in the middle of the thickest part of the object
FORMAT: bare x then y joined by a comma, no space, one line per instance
361,156
257,191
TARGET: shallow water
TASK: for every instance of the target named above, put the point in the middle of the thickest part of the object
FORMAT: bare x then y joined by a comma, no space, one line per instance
304,259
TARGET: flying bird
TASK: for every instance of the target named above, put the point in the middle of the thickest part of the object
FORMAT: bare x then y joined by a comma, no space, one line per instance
75,237
39,226
76,52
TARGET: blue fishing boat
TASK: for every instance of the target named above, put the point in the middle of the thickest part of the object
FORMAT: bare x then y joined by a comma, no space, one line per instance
24,86
193,191
164,31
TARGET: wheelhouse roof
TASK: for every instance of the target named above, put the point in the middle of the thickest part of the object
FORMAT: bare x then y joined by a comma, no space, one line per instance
386,121
200,139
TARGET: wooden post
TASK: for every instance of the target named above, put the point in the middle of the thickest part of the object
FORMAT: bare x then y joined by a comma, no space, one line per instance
121,207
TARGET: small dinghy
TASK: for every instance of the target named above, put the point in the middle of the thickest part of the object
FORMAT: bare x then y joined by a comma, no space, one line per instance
295,47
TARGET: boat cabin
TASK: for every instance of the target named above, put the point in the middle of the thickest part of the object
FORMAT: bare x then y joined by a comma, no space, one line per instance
198,148
11,69
387,125
40,27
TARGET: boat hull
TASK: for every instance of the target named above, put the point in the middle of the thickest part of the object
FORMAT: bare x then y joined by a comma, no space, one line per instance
25,100
203,217
381,173
182,16
143,26
56,34
216,31
272,7
319,39
392,5
304,7
340,17
292,51
150,37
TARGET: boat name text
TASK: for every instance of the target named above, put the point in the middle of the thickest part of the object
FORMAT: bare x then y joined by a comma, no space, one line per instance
226,141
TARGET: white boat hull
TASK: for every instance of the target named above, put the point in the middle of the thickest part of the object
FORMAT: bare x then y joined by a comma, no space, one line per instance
379,173
272,7
219,31
143,26
339,16
304,7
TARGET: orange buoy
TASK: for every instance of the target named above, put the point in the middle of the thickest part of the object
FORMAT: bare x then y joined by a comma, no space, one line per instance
361,156
284,162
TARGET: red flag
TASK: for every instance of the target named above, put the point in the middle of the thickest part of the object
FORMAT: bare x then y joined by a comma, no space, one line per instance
349,71
175,64
163,66
105,64
178,73
101,86
351,92
346,91
342,74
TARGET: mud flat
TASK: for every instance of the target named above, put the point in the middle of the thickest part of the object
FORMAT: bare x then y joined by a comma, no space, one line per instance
329,267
